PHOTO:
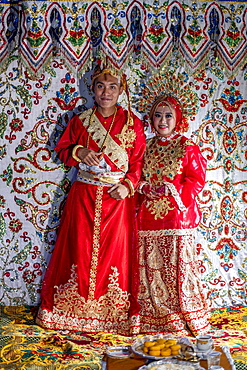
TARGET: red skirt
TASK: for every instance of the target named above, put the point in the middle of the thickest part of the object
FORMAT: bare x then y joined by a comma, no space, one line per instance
90,284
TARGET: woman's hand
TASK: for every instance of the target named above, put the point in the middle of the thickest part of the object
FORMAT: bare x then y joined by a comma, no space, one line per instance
150,191
162,190
89,156
118,191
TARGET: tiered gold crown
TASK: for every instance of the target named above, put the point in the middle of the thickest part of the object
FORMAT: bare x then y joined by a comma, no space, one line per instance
169,84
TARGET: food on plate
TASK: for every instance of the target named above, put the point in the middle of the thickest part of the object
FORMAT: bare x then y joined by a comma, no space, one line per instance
168,366
161,347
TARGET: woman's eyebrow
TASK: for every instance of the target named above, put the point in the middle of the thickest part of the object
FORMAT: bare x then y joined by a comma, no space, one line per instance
163,113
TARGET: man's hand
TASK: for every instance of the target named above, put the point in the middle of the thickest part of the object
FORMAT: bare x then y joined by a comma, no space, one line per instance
118,191
89,156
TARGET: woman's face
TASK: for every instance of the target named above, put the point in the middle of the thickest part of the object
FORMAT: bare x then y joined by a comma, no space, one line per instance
164,120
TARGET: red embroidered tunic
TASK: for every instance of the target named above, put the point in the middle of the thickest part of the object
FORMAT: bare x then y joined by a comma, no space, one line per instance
90,285
179,164
170,293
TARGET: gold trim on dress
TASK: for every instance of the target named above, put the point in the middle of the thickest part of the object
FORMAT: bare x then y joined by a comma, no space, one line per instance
127,136
110,178
113,151
111,306
96,242
169,157
166,232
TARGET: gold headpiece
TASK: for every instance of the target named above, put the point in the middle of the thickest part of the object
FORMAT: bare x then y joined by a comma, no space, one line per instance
167,84
101,69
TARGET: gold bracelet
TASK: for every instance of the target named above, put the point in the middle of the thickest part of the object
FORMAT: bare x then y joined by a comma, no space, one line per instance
74,152
130,186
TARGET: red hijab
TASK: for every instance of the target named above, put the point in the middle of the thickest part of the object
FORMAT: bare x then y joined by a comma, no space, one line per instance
181,123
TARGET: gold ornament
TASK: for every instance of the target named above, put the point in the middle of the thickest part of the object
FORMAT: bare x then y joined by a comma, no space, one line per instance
168,83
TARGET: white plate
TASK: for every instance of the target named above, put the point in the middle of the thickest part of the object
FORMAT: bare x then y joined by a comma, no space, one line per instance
203,354
139,343
171,364
118,352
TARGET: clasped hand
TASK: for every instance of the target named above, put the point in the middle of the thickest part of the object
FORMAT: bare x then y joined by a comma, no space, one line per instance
92,158
154,192
118,191
89,156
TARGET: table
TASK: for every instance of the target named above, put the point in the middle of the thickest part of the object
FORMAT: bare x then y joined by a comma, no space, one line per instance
136,362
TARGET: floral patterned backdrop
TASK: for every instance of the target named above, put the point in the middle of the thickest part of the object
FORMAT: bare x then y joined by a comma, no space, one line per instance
46,52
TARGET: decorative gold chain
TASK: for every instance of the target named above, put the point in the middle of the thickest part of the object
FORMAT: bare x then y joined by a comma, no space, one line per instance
108,131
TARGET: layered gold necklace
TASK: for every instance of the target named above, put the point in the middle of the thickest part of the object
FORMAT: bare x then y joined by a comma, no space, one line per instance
163,160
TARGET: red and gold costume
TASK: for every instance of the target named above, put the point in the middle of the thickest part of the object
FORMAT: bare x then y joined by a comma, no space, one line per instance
170,291
90,284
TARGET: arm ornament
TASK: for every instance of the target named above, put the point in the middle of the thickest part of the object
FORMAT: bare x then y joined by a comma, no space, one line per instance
176,196
76,147
126,182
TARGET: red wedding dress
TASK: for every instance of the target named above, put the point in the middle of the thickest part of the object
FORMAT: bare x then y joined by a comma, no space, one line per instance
90,284
170,293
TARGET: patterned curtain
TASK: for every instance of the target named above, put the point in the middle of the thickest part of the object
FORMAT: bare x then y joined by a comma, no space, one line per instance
46,52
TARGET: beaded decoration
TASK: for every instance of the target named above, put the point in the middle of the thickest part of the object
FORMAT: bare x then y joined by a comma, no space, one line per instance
164,85
108,68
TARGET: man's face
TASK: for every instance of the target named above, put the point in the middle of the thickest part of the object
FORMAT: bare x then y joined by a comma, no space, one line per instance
107,90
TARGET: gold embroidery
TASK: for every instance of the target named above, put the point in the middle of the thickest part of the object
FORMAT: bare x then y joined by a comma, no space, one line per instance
127,137
159,207
170,291
154,258
162,233
61,321
164,160
114,152
96,241
161,164
68,301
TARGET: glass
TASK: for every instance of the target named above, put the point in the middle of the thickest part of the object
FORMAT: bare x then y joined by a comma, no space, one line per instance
213,359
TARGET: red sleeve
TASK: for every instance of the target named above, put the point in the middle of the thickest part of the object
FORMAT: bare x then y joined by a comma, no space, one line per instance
193,176
74,134
136,153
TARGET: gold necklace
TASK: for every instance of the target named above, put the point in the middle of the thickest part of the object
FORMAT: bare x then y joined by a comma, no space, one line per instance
163,160
107,133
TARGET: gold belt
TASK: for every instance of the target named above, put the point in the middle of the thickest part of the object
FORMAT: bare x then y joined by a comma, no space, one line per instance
107,177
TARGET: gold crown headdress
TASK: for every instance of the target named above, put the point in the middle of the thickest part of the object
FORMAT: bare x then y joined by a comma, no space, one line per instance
108,68
169,84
